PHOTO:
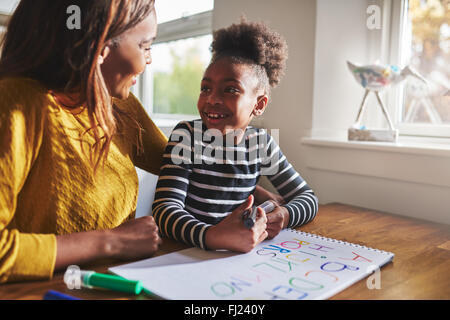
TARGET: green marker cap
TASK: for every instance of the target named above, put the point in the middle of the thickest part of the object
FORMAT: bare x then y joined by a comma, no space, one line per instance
112,282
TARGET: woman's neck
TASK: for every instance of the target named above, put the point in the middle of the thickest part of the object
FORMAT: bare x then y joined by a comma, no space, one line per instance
70,101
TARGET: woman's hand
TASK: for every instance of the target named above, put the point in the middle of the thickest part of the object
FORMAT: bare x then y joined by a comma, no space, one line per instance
231,234
277,220
135,239
262,195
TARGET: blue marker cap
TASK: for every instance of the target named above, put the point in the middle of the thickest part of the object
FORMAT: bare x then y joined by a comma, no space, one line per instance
55,295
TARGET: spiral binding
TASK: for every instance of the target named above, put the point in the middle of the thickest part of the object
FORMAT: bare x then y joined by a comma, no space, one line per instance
313,235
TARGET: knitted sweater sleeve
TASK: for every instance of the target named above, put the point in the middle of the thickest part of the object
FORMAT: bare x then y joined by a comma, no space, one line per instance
23,256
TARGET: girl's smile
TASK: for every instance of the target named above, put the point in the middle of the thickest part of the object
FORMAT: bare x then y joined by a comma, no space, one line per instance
229,96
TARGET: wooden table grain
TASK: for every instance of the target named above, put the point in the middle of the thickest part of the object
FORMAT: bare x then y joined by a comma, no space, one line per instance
420,269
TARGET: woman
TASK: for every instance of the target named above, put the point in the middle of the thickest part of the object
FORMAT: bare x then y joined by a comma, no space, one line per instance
71,134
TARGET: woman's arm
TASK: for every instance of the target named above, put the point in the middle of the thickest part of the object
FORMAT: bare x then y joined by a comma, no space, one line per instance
134,239
32,256
23,256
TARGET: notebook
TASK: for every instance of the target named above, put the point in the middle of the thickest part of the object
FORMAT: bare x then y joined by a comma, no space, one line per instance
293,265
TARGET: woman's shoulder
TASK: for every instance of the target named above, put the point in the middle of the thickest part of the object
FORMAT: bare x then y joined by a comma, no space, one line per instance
22,85
20,93
18,90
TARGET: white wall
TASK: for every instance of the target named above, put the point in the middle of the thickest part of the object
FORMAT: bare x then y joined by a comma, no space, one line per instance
340,35
290,109
317,101
319,98
409,178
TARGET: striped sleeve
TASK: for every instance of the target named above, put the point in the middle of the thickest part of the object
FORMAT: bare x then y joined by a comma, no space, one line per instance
170,195
301,202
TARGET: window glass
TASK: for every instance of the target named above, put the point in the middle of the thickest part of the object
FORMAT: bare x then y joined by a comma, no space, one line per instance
428,52
175,9
177,72
8,6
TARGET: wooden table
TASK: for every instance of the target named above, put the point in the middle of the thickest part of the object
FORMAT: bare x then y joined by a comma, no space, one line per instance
420,270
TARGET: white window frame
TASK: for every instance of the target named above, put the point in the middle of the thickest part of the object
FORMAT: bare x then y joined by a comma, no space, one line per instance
393,50
4,18
186,27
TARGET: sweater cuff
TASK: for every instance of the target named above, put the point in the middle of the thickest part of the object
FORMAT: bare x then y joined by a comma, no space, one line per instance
291,215
35,258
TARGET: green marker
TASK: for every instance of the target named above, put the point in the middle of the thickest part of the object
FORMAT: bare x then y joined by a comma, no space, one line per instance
92,279
75,278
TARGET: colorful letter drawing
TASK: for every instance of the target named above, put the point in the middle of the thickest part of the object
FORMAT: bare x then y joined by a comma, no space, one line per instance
299,269
293,265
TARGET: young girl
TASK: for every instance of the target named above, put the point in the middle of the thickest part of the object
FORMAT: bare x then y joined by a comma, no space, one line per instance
211,166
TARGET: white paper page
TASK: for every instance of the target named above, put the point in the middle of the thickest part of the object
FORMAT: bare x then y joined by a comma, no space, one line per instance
179,257
293,265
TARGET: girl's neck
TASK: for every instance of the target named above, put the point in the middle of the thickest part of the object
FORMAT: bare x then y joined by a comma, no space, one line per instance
236,134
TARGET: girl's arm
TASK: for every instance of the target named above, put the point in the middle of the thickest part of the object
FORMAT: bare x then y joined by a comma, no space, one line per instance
301,204
169,205
262,195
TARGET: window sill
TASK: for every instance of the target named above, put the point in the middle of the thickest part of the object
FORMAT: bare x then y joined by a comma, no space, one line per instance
410,160
169,122
407,145
411,177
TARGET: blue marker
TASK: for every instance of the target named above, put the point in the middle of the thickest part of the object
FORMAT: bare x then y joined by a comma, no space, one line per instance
55,295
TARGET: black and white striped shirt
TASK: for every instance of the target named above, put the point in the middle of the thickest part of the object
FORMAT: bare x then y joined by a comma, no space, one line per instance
203,179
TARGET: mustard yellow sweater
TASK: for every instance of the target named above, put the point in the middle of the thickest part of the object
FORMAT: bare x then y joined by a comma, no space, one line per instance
47,186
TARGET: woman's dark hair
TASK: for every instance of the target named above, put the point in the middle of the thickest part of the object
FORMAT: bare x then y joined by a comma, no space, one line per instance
38,44
254,44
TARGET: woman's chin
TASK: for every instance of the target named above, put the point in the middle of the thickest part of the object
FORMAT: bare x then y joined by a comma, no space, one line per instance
122,95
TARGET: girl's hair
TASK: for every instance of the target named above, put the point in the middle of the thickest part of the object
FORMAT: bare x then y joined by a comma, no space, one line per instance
39,44
254,44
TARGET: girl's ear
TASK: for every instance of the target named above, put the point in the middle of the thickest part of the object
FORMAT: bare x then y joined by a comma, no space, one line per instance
260,105
105,52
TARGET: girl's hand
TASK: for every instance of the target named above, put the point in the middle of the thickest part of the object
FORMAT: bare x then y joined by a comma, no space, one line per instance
262,195
277,220
231,234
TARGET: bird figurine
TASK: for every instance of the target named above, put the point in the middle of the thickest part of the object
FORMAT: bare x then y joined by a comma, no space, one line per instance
376,78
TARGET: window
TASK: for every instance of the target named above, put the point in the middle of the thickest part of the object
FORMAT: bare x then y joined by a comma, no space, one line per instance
170,86
6,9
3,22
423,43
